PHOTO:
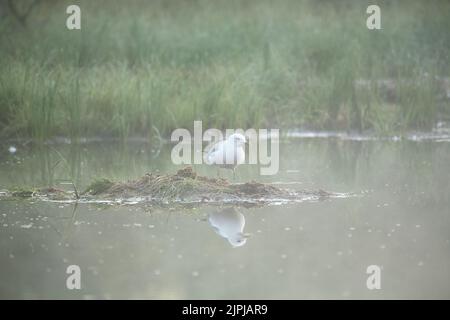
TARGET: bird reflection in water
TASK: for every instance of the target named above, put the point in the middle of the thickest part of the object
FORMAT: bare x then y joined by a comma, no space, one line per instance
229,223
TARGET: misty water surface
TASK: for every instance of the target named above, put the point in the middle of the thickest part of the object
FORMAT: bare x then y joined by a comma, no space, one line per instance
396,216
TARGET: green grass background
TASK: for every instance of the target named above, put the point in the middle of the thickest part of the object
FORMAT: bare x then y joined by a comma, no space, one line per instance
141,68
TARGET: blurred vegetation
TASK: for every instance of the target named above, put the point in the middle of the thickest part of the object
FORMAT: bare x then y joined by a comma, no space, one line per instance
138,68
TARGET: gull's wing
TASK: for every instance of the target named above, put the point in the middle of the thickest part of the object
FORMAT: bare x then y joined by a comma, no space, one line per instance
211,149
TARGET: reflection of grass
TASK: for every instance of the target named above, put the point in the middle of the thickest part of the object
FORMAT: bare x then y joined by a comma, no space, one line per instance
162,64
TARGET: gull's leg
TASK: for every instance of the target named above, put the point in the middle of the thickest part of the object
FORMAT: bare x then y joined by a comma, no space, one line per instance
218,172
234,174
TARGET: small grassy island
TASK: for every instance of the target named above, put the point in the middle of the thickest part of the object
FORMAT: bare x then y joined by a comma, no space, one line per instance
185,186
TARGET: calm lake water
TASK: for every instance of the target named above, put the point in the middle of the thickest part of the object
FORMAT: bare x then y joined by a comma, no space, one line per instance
396,216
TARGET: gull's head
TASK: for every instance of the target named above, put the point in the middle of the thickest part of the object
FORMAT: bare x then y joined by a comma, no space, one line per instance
238,240
238,139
